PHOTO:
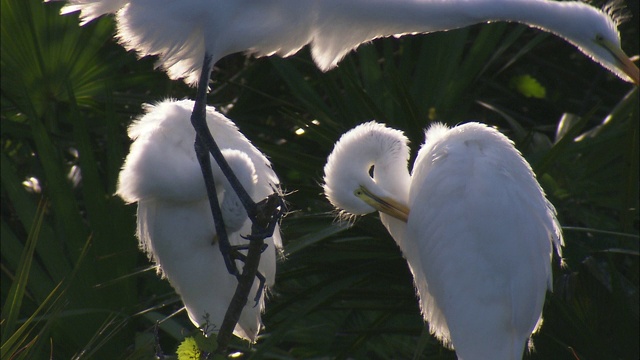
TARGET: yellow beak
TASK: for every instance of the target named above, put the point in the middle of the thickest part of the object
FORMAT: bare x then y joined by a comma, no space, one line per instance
388,206
626,64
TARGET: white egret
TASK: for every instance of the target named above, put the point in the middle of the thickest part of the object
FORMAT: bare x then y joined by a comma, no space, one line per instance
175,227
478,236
182,32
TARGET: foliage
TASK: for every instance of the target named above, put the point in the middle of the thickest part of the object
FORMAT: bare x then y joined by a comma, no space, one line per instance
75,285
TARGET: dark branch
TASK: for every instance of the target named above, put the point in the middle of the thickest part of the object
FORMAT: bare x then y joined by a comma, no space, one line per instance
239,300
267,209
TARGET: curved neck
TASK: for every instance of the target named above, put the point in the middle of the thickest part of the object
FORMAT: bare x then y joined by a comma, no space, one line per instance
420,16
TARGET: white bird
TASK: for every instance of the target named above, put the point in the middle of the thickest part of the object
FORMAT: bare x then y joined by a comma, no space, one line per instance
182,32
175,227
478,236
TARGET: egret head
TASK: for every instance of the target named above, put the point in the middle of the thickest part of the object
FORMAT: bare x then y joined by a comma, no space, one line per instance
348,184
595,33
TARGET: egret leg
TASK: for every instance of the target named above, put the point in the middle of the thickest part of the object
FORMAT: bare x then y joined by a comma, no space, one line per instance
263,215
218,221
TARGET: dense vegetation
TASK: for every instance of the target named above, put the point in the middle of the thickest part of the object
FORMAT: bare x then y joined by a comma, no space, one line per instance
75,284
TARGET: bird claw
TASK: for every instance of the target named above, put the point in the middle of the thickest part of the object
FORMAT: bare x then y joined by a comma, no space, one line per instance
237,255
230,263
265,217
268,213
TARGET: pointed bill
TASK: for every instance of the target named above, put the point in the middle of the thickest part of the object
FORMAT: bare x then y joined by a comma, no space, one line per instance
385,205
626,64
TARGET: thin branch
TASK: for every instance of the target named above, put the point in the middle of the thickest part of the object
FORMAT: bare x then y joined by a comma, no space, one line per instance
268,213
239,300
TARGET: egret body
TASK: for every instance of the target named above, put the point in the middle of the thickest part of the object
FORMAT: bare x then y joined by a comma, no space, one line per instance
175,227
471,220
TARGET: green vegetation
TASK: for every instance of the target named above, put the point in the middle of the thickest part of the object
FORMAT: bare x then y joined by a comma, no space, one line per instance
75,284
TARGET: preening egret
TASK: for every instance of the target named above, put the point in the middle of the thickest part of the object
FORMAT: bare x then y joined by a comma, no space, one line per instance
175,227
471,220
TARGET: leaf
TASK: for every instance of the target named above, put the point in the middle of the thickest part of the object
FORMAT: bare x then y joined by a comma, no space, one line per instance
528,86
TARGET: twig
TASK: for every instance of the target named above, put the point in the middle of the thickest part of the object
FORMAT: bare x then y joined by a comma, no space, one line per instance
239,300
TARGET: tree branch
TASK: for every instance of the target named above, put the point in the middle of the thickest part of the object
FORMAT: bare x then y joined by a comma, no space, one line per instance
268,212
239,300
